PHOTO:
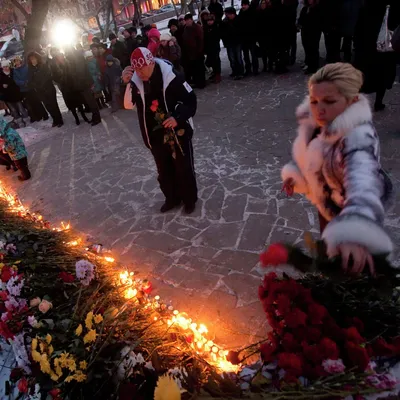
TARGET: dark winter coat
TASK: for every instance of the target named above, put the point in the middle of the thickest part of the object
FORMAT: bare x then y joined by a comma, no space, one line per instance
248,24
11,93
120,52
349,13
131,44
212,38
310,20
230,32
330,14
40,79
179,99
112,77
193,42
264,26
82,77
379,68
339,171
20,75
278,24
216,9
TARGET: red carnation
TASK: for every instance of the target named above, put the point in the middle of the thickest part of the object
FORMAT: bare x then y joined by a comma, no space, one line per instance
66,277
312,353
358,324
289,343
329,349
317,313
16,374
268,350
353,335
154,105
23,385
331,329
3,295
5,331
269,279
55,394
296,318
283,304
276,254
291,363
304,296
313,334
357,355
381,348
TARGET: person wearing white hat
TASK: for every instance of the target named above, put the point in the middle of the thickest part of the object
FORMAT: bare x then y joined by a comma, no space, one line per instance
160,94
11,93
170,50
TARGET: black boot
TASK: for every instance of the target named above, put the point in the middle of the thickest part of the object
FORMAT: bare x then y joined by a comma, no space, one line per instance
22,165
169,205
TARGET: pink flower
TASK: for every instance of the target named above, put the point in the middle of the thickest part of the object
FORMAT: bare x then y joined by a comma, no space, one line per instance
45,306
333,366
383,382
154,105
84,271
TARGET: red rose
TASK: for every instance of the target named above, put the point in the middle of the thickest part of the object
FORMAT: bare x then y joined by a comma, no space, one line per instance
353,335
381,348
317,313
312,353
3,295
289,343
328,349
55,394
313,334
296,318
268,350
66,277
6,274
357,355
276,254
23,385
5,331
291,363
304,296
283,304
154,105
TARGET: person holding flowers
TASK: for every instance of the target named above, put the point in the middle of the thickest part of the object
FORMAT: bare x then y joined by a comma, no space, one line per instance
166,104
336,164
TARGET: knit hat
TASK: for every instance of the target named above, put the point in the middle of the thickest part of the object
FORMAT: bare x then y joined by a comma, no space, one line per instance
230,10
112,36
141,57
153,33
109,58
5,63
88,54
165,36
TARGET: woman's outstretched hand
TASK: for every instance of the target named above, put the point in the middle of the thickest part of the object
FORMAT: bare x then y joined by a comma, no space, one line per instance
288,187
361,257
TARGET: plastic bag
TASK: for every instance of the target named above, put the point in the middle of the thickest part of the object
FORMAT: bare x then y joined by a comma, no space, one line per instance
384,44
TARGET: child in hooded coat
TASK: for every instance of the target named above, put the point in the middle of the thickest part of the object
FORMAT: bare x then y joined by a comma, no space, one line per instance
112,77
13,153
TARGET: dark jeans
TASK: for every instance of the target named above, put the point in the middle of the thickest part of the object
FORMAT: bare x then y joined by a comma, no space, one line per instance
17,110
176,176
214,62
332,44
196,72
235,59
50,102
92,104
37,110
250,49
347,44
310,40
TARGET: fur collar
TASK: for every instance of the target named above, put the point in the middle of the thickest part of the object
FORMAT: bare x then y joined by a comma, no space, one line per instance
358,113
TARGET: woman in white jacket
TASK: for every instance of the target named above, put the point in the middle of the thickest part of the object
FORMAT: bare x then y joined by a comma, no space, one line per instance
336,166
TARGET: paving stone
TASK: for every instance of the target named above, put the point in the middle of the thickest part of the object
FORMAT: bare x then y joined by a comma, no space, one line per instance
244,286
181,231
234,207
223,235
160,241
241,261
256,232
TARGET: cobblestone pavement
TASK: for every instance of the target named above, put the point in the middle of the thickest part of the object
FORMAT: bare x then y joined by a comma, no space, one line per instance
103,180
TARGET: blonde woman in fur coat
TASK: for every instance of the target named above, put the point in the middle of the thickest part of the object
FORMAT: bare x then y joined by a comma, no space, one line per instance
336,166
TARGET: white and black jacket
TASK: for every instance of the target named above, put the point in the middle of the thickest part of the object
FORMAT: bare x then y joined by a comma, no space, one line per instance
339,172
179,100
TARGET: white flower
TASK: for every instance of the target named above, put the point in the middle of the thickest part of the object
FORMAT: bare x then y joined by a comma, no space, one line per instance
11,248
2,245
11,304
4,317
14,286
21,355
130,360
84,271
37,395
178,374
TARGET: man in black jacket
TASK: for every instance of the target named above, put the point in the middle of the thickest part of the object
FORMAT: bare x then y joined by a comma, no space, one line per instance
166,104
119,50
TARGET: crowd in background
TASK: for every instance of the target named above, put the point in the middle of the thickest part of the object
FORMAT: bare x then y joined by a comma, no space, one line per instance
261,37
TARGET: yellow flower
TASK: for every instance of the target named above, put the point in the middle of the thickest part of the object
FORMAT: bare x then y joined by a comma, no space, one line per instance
98,318
69,378
50,350
58,370
36,356
54,377
80,376
90,336
88,320
78,331
45,365
167,389
41,346
83,365
48,339
71,365
34,344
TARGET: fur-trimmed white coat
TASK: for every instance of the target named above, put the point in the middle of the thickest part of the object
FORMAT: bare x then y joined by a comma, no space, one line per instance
339,172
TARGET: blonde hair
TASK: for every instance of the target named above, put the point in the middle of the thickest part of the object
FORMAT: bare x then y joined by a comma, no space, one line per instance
347,79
